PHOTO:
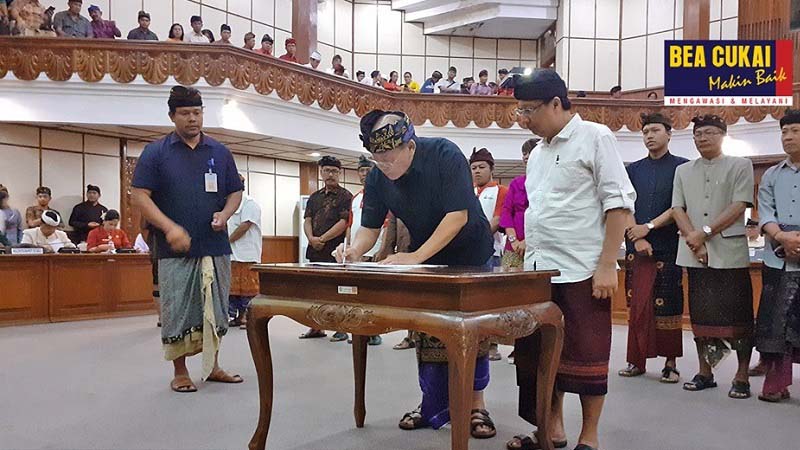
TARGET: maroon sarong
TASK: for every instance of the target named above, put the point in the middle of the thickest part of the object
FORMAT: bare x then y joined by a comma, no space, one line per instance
587,346
655,297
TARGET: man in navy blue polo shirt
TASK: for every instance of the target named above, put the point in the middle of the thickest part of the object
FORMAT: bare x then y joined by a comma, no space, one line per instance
187,186
426,183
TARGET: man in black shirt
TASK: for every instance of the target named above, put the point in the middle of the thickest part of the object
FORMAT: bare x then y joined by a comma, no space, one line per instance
426,183
87,216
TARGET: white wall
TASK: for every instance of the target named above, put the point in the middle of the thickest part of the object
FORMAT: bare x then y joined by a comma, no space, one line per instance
602,43
66,162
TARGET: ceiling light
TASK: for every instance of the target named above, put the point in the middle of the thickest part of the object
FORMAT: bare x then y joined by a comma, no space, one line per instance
314,154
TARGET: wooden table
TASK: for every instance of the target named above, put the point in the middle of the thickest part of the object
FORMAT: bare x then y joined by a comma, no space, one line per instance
62,287
459,306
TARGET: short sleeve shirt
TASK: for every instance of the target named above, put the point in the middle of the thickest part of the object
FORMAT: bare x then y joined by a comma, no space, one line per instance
437,183
326,207
248,247
779,203
176,176
652,179
705,188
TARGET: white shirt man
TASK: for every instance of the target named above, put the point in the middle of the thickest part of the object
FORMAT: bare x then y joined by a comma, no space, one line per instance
46,235
248,247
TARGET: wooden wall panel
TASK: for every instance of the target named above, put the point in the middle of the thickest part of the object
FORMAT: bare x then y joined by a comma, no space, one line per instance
280,249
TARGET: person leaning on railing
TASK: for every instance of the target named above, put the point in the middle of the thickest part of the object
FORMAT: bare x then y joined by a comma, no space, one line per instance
29,18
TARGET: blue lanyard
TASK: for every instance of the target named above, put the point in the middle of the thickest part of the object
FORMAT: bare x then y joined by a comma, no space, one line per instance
211,165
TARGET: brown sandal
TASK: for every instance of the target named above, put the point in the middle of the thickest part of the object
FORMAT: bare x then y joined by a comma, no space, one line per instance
480,417
182,384
220,376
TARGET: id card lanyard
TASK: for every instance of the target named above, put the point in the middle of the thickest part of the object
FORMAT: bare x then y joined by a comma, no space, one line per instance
211,177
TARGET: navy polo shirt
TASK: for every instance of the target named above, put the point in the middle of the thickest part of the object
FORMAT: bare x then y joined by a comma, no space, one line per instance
176,176
653,180
437,183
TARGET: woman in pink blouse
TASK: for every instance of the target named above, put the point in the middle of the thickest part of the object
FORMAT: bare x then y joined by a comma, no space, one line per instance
513,217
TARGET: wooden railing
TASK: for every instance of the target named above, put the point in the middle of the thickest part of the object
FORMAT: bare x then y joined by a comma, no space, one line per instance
155,62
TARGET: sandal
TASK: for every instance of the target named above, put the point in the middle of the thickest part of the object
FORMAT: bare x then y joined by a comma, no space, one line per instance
667,375
527,442
494,353
312,333
774,398
415,418
182,384
406,343
220,376
759,370
338,337
631,371
480,418
699,383
739,390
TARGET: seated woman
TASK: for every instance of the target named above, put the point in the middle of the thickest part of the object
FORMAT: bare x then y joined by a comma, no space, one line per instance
108,236
47,235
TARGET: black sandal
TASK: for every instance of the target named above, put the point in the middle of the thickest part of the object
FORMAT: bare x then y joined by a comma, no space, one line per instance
417,421
406,343
667,372
526,442
699,383
739,390
480,417
312,334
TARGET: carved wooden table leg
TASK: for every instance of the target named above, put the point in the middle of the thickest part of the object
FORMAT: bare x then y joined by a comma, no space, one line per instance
360,372
462,349
552,339
258,336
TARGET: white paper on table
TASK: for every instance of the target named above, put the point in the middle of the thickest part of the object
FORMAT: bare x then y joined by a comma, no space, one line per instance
376,266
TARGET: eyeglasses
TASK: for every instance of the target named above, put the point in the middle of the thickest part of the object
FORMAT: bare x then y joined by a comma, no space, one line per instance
707,133
330,171
529,111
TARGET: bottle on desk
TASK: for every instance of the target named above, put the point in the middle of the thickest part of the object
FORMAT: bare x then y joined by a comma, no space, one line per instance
111,248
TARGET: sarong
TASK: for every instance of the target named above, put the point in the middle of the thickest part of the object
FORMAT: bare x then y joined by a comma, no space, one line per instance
778,327
244,282
587,347
654,291
433,380
721,309
194,305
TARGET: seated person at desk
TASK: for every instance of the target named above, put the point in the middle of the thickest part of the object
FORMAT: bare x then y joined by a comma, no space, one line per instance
47,235
107,236
426,183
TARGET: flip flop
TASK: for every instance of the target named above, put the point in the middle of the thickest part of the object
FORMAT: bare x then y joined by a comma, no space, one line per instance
529,443
417,421
220,376
182,384
700,383
312,334
774,398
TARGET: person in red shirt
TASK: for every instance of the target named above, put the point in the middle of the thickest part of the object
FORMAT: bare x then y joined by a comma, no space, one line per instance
391,85
103,237
266,46
291,48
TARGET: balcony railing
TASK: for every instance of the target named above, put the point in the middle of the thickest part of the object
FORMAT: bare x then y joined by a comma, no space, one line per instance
155,62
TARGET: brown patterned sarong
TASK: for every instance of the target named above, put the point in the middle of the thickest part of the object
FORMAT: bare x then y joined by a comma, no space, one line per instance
654,291
244,282
587,347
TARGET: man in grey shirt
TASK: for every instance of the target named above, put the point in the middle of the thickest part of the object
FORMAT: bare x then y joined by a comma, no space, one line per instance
709,198
778,324
142,32
71,23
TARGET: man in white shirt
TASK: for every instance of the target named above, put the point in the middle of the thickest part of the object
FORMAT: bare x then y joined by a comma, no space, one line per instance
47,235
449,85
196,36
244,234
313,60
580,200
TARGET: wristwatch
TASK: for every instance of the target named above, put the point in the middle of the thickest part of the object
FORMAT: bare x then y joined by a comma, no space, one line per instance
650,226
512,239
707,230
